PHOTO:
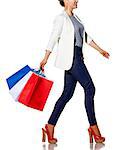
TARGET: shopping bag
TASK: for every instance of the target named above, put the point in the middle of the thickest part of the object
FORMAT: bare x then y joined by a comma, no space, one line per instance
13,79
30,87
17,81
35,92
17,88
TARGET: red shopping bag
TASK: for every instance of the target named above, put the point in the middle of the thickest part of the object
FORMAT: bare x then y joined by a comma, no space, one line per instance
35,92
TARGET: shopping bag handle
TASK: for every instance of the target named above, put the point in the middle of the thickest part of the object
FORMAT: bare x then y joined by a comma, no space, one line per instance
39,72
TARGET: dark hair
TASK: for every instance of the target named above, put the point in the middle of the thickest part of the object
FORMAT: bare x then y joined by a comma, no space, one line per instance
61,2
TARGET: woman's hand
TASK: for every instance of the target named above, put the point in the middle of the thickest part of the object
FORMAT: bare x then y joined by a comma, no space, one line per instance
43,62
104,53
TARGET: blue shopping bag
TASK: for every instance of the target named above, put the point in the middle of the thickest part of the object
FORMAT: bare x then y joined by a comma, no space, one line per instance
13,79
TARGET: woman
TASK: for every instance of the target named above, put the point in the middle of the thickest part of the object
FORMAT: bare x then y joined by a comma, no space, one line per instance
68,31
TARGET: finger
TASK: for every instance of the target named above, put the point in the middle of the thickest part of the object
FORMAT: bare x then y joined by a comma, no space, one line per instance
42,67
107,56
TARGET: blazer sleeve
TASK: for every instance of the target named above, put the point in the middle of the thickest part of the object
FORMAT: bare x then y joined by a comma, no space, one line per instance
88,38
55,33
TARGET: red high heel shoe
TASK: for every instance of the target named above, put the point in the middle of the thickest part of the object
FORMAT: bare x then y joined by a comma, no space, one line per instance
98,138
45,131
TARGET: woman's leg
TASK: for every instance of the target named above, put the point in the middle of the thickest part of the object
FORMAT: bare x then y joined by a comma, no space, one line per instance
69,87
82,75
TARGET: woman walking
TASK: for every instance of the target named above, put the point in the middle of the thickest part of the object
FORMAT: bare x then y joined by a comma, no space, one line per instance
69,32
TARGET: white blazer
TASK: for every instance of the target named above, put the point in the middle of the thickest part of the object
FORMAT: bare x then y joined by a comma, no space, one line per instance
63,34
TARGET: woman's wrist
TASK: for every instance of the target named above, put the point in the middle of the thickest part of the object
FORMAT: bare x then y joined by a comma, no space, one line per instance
100,50
45,58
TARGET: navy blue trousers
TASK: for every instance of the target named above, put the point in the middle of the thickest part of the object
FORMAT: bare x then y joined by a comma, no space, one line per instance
77,72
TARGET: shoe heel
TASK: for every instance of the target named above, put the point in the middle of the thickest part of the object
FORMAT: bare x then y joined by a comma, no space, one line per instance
90,136
97,138
43,135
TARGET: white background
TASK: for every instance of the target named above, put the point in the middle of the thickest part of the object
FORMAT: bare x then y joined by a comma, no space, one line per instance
25,27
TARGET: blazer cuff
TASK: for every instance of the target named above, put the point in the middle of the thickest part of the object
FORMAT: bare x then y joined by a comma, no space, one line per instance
89,39
48,50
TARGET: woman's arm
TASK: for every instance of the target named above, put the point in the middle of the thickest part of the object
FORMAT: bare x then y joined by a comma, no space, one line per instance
89,40
44,61
95,46
55,34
